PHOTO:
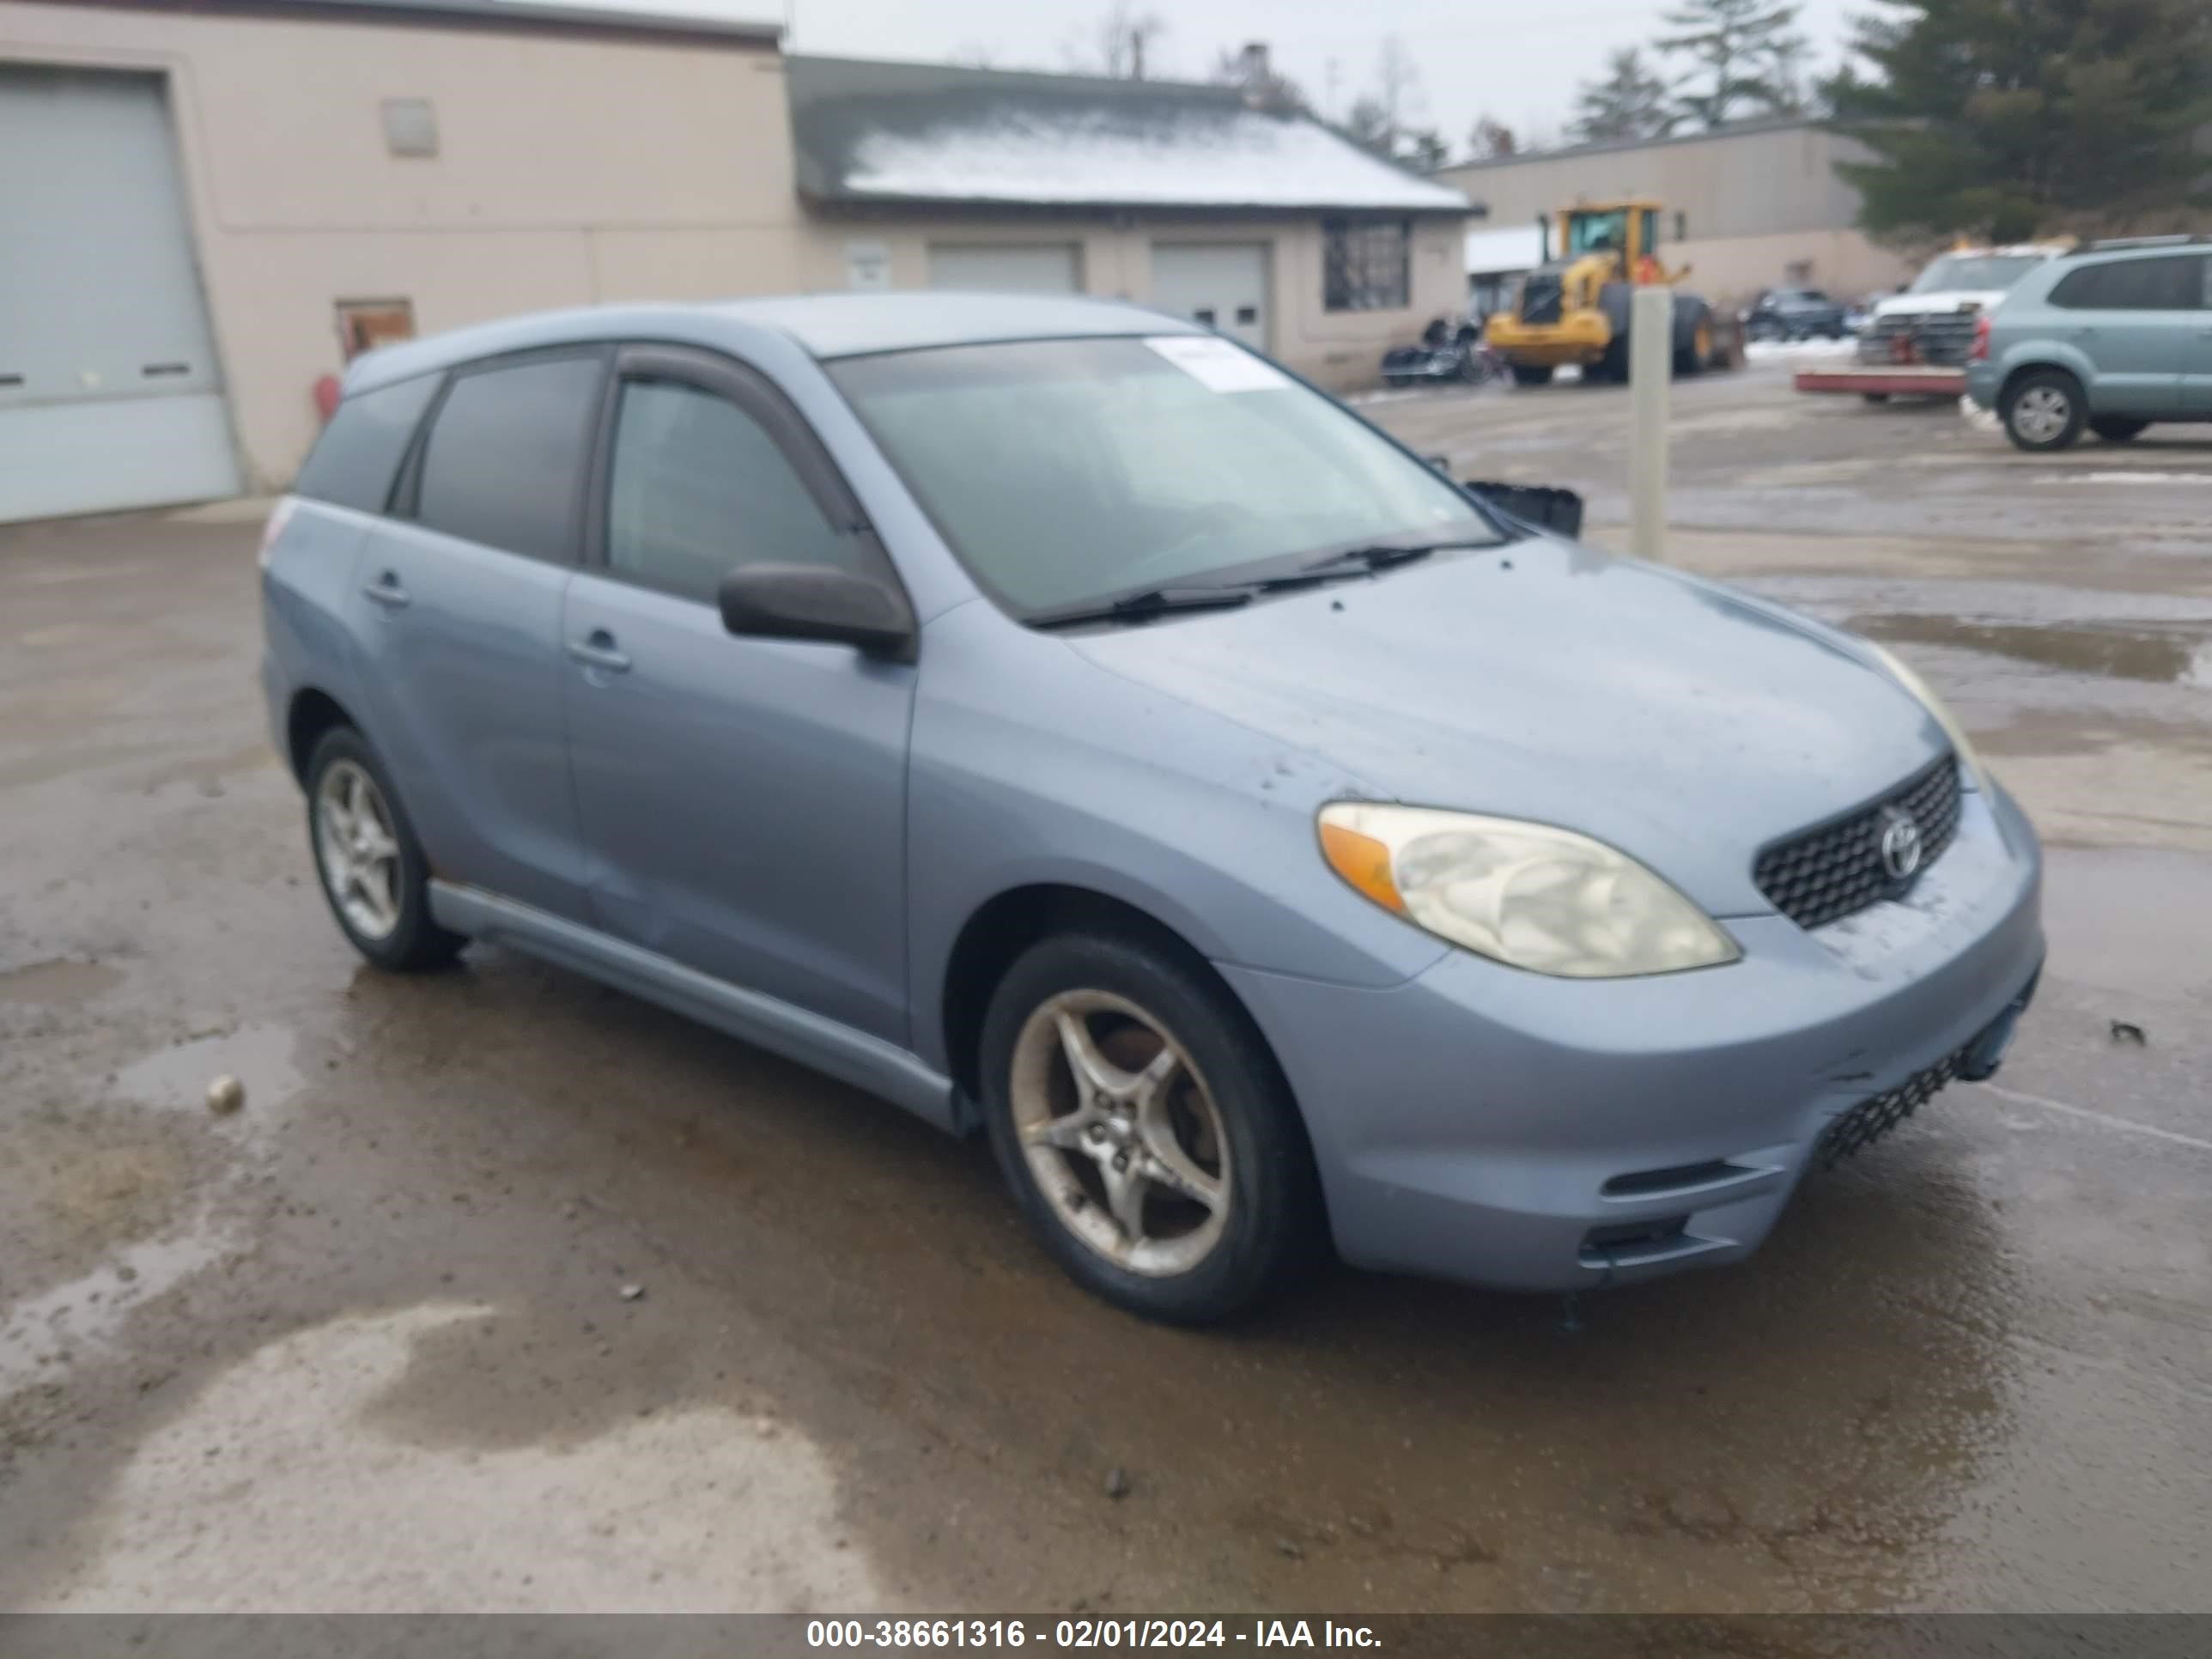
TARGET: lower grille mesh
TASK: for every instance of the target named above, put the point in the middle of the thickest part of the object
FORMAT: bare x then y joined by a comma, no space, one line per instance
1876,1116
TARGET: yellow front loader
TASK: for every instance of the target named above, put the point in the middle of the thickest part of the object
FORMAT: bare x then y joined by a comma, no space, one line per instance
1575,308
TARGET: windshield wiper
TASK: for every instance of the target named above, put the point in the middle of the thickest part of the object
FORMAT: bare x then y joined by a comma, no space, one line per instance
1140,606
1383,555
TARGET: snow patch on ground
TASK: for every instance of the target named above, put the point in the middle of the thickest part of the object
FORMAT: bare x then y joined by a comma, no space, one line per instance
1788,351
2125,478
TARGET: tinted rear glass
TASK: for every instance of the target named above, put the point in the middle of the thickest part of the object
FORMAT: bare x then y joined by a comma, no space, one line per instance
505,460
2175,283
356,459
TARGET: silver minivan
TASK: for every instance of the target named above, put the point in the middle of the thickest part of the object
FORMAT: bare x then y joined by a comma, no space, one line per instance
1066,725
2110,339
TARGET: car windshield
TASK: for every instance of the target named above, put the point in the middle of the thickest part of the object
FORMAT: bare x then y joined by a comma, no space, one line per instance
1975,273
1063,471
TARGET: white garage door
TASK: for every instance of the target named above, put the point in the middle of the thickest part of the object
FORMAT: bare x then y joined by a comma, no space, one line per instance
1007,267
109,394
1223,285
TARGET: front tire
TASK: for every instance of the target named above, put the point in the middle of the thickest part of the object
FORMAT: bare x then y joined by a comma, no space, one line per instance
1532,374
374,873
2042,411
1693,347
1147,1132
2116,429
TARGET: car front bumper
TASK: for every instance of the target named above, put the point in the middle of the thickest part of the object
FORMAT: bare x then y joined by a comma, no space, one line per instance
1982,382
1510,1130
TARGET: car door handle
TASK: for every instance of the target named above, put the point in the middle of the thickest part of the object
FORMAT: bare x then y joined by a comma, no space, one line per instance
386,591
597,650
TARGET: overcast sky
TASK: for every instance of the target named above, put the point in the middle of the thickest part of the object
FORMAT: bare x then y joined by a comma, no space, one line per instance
1518,61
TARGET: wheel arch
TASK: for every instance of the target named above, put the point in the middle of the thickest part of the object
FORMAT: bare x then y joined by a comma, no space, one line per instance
2019,371
311,713
1003,926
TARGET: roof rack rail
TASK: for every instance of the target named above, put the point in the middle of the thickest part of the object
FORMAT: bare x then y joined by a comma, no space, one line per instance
2114,244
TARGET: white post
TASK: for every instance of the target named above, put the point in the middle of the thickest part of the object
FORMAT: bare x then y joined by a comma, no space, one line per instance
1650,362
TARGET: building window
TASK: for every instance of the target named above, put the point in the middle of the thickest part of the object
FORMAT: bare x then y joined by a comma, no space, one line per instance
365,324
1366,265
1681,226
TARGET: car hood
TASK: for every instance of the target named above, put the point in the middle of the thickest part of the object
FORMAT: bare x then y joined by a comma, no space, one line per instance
1684,723
1940,305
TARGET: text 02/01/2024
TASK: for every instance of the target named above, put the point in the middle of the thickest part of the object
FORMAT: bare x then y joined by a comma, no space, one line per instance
1092,1633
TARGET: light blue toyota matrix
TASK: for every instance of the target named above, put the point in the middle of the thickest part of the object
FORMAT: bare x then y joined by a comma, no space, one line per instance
1059,721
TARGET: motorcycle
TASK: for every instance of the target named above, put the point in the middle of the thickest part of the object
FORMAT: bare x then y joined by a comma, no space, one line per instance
1455,357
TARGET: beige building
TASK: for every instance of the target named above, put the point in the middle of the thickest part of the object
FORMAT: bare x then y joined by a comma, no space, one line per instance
1757,205
209,208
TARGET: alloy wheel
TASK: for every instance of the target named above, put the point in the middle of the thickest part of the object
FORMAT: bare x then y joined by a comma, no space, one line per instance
1120,1133
358,850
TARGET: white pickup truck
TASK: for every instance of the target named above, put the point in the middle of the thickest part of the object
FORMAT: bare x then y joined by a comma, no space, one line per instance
1932,322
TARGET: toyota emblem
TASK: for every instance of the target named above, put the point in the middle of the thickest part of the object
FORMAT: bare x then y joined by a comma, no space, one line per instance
1901,843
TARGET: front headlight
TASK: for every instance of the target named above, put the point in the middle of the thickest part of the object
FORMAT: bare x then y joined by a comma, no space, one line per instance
1970,764
1526,895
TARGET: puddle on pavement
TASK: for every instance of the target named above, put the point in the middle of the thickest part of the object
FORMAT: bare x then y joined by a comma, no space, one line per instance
86,1312
258,1056
57,981
2158,655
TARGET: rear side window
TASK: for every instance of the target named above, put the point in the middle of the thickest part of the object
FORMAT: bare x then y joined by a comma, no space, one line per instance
698,487
505,460
2174,283
354,461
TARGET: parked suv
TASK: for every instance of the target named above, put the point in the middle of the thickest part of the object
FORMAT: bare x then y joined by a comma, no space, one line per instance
1061,722
2111,338
1794,314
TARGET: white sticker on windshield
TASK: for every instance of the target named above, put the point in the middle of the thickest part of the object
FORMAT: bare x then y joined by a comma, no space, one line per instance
1216,364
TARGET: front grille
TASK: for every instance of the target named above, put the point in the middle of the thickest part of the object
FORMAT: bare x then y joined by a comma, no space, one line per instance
1837,868
1539,300
1944,338
1877,1115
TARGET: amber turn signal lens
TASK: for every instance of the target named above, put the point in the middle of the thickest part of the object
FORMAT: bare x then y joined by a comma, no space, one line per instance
1363,861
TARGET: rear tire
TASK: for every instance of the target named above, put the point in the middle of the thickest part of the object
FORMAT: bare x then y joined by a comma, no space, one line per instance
2117,429
1532,374
2042,410
373,874
1693,346
1218,1106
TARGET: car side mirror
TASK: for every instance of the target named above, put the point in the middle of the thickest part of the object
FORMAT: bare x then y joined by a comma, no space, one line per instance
1541,507
818,602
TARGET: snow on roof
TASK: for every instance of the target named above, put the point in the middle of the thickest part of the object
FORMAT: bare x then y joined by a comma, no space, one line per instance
902,132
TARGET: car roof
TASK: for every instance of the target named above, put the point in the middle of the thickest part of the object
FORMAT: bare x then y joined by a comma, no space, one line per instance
824,325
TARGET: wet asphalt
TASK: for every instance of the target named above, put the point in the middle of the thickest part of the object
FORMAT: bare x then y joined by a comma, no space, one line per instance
365,1344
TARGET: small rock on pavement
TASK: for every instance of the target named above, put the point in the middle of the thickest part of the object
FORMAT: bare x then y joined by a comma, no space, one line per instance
225,1095
632,1292
1117,1482
1291,1548
2125,1032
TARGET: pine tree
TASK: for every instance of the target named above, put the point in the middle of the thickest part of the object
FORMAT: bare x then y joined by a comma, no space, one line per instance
1631,103
1745,56
2004,122
1425,149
